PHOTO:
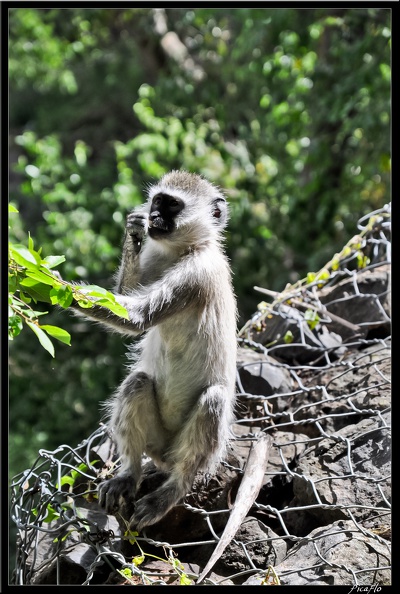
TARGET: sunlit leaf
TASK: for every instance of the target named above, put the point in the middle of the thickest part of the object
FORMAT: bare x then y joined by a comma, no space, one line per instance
37,290
43,338
288,338
138,560
24,256
312,318
41,277
184,580
310,277
62,296
58,333
92,290
116,308
85,303
51,261
323,275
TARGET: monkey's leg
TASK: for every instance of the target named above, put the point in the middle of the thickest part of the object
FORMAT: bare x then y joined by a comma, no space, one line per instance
203,437
137,426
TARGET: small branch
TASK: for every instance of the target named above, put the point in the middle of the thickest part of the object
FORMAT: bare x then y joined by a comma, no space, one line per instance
320,310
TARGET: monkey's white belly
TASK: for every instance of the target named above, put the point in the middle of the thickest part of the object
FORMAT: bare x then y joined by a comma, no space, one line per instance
171,365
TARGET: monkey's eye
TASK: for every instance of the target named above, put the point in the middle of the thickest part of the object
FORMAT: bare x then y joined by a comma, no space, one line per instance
175,205
216,213
157,200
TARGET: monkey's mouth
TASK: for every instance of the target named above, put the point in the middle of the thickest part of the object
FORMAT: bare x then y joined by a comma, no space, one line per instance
159,227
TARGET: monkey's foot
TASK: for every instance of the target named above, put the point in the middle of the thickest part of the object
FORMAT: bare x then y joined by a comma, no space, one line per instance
152,508
152,478
118,495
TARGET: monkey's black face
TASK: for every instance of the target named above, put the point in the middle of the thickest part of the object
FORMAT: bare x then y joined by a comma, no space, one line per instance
163,212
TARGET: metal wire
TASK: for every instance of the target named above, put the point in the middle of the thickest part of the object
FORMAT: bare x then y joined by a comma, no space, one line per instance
331,389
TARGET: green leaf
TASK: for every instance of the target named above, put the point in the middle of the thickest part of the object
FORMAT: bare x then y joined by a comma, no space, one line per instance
85,303
52,514
323,275
24,298
58,333
184,580
64,538
41,277
23,256
288,338
66,480
131,536
94,291
62,296
138,560
14,326
51,261
116,308
12,282
43,338
12,208
312,318
310,277
29,282
30,313
38,291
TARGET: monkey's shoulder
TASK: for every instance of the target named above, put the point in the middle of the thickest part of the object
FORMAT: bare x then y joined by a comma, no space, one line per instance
208,262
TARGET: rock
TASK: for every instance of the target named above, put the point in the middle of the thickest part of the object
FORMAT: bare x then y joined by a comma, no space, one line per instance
262,374
263,546
306,345
363,300
362,451
332,555
324,403
75,560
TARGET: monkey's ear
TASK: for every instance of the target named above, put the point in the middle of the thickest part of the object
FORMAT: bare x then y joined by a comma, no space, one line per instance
220,212
217,212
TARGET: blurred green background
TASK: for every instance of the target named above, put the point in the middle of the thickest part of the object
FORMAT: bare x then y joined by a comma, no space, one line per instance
286,109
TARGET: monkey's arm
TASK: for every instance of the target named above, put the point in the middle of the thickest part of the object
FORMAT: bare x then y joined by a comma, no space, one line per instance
135,231
150,305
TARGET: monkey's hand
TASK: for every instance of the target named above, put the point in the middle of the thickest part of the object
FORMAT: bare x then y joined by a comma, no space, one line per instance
137,224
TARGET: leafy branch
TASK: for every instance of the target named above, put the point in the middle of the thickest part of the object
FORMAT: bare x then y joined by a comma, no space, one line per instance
292,294
32,279
129,571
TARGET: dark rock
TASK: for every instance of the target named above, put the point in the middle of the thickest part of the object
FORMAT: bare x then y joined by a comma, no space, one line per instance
262,545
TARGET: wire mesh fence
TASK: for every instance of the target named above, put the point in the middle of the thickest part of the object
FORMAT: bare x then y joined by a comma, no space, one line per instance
314,377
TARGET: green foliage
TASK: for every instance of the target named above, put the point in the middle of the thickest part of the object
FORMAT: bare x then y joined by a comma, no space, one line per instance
31,279
171,560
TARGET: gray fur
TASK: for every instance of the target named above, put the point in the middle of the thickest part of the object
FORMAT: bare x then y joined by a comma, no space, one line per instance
176,403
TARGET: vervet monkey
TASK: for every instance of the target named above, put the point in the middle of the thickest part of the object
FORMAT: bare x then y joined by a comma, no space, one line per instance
176,403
